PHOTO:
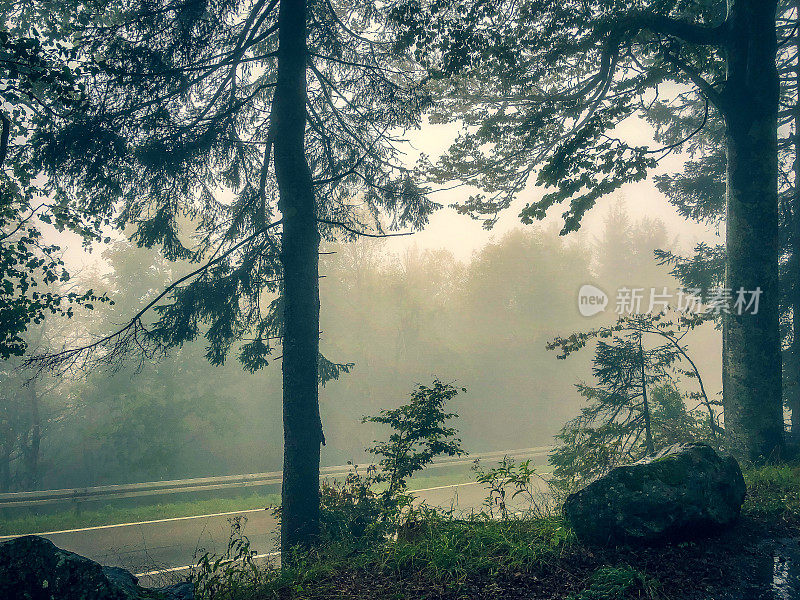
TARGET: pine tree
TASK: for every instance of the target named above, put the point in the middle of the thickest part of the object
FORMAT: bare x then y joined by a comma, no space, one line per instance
237,135
634,408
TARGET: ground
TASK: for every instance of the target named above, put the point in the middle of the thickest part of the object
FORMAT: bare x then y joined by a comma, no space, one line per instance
539,558
736,565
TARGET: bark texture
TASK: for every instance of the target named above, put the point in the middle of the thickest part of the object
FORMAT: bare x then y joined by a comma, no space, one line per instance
752,351
300,247
793,368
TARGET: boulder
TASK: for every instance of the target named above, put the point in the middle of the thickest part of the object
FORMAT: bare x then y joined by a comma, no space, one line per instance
678,493
33,568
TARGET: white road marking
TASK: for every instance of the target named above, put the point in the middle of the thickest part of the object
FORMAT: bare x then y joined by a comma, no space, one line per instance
222,514
187,567
96,527
444,487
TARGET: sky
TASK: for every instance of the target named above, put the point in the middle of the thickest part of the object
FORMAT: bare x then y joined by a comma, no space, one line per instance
462,235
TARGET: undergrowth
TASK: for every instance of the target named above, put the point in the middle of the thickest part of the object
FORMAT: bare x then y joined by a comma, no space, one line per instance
773,491
617,583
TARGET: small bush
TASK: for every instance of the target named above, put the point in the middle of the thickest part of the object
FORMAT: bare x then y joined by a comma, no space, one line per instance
518,480
352,509
232,575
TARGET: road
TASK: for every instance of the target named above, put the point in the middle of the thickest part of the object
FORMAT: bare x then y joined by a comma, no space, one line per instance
157,550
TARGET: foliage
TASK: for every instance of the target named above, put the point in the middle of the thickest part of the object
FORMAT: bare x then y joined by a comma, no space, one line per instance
353,509
424,309
356,510
520,478
635,408
773,492
181,102
419,434
698,190
617,583
231,574
39,84
473,557
540,87
142,421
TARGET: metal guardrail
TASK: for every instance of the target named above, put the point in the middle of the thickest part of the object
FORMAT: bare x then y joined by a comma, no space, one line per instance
175,486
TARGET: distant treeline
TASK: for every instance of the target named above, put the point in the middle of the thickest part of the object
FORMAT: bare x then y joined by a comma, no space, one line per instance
400,319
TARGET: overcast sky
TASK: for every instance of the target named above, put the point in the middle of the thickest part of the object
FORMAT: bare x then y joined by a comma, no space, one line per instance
462,235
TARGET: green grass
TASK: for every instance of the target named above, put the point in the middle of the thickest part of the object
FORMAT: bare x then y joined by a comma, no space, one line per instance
617,583
451,551
111,515
773,492
445,553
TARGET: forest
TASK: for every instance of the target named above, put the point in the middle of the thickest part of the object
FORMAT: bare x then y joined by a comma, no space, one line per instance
447,299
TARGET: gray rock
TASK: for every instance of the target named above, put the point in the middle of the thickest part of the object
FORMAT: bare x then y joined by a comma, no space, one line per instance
678,493
33,568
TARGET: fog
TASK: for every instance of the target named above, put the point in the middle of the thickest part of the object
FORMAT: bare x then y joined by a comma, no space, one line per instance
403,314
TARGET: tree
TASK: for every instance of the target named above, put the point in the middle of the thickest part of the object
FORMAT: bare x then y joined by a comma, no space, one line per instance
541,86
698,192
22,420
634,409
196,101
419,434
39,79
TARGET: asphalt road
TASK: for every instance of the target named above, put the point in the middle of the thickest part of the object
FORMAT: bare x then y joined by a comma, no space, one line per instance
157,550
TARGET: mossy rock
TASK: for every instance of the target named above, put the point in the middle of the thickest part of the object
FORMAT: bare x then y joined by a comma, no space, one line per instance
33,568
679,493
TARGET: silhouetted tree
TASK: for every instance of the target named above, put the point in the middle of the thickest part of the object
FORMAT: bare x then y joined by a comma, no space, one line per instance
634,408
236,135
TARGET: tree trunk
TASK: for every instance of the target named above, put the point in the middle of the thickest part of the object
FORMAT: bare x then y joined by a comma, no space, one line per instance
648,431
793,370
752,349
300,256
33,441
6,448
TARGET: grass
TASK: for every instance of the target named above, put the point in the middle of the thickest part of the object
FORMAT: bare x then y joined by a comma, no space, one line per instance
453,551
112,515
446,557
617,583
446,554
773,492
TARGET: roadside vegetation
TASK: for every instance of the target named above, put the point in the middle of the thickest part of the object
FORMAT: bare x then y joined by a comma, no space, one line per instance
90,515
436,554
376,544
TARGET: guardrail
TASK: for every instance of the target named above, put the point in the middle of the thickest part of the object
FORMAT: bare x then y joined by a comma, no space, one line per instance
176,486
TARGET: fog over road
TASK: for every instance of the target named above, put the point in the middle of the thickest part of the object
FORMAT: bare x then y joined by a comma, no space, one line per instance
151,548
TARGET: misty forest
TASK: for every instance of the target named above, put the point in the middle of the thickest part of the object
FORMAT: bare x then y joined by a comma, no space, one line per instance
309,299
